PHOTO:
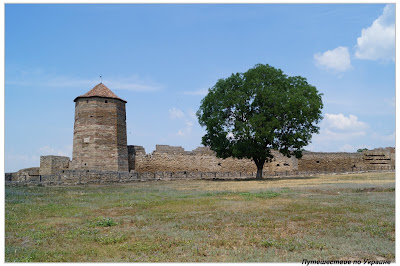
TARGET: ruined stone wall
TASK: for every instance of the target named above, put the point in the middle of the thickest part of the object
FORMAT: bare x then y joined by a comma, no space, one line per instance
339,161
133,151
169,149
380,157
332,161
181,162
25,174
9,176
100,140
71,177
51,164
202,159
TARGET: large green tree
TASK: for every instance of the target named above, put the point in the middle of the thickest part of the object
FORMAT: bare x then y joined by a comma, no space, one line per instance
247,115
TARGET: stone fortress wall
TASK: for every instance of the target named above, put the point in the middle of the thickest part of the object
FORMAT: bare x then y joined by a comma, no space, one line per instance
172,162
201,159
334,161
101,154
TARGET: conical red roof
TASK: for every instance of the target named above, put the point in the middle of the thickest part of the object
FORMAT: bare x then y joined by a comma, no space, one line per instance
100,90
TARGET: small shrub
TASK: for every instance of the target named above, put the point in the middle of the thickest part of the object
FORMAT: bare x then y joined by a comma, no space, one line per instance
105,222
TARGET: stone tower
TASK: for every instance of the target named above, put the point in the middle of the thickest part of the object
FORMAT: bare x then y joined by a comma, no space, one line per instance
100,140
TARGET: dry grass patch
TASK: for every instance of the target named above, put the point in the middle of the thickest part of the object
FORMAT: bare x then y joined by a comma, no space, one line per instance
298,182
325,217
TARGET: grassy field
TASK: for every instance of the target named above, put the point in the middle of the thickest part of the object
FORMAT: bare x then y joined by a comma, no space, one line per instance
329,217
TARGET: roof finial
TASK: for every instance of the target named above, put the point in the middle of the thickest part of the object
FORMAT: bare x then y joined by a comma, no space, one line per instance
101,80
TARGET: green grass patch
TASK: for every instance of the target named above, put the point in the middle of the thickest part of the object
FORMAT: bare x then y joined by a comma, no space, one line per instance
260,195
292,244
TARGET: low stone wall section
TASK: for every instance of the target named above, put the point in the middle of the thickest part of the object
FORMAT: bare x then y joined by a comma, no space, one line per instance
86,177
23,174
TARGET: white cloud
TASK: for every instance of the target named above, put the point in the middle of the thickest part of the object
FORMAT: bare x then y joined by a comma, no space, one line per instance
337,59
132,86
337,130
189,123
187,130
377,42
341,122
47,150
390,139
346,148
327,135
390,102
16,162
175,113
200,92
38,77
352,148
46,80
132,83
180,133
188,118
192,114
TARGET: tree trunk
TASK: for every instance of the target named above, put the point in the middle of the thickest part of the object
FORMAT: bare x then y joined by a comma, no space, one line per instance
259,173
260,165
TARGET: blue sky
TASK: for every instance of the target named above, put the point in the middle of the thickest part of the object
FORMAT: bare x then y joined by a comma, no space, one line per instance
162,58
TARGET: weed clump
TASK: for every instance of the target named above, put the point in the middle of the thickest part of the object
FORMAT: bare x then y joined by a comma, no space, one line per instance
107,239
106,222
